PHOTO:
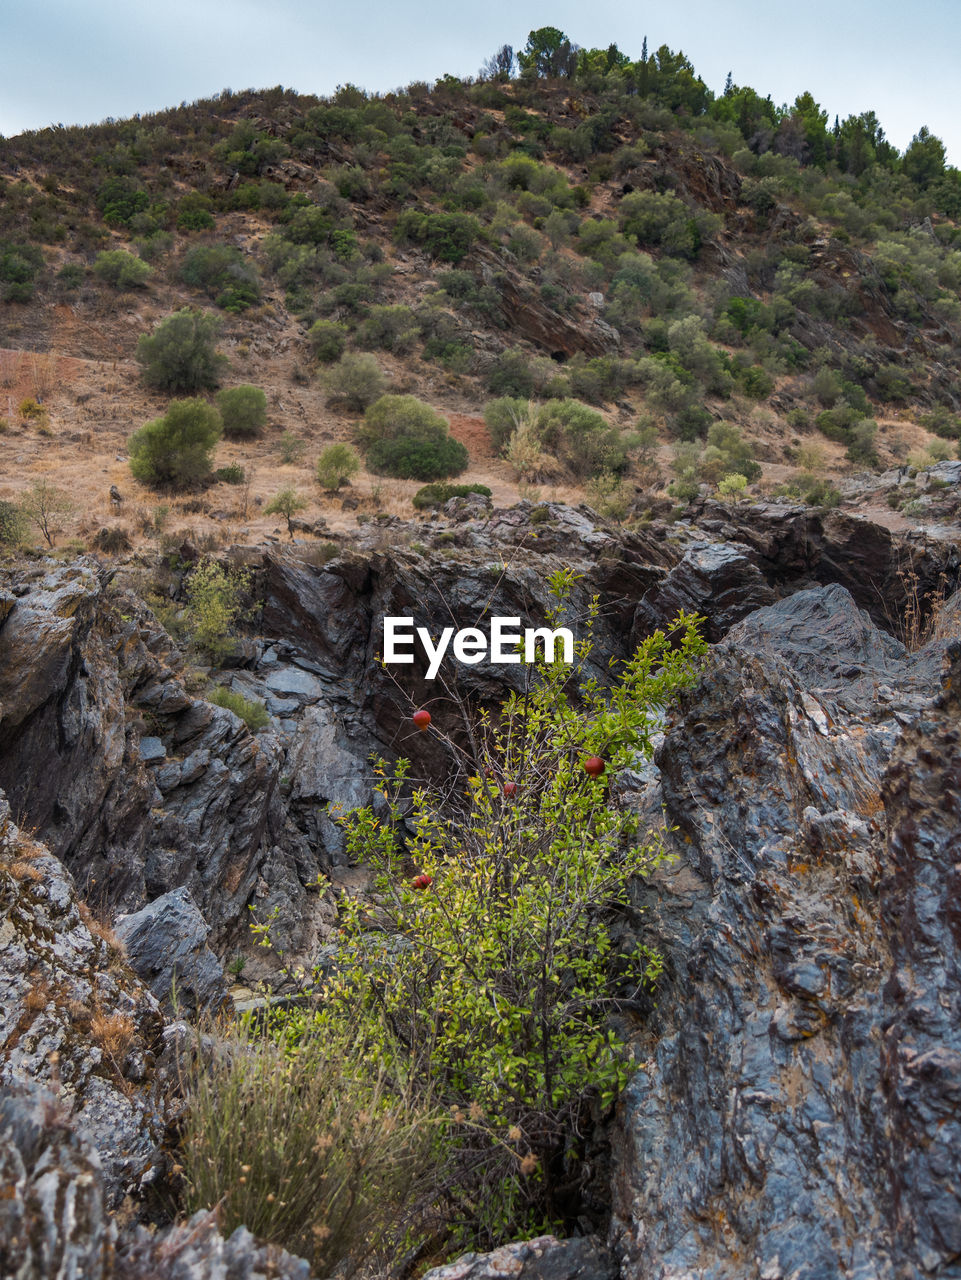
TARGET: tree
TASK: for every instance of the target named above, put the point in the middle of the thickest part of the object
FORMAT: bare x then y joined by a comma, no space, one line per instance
286,503
243,410
548,54
179,355
500,65
924,159
337,463
175,451
214,605
47,506
406,438
496,970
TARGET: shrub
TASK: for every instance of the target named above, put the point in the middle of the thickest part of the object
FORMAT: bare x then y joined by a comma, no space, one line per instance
494,988
337,463
286,503
435,495
13,526
327,340
404,437
580,438
445,236
231,474
122,270
511,376
224,275
251,711
502,417
175,450
243,410
213,606
355,379
389,329
179,355
732,486
290,447
47,507
308,1145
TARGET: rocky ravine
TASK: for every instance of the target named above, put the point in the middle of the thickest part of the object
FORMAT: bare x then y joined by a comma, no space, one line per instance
798,1112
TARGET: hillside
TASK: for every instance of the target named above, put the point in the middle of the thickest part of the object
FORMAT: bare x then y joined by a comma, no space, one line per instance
630,955
664,259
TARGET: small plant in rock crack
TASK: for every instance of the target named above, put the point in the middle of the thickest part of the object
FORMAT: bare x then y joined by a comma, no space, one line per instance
488,961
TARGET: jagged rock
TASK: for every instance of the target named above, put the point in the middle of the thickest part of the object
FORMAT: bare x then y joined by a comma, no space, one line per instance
544,1258
53,1219
72,1016
197,1251
763,1133
166,945
718,580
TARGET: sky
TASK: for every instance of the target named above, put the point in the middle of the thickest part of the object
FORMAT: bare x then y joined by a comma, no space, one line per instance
68,63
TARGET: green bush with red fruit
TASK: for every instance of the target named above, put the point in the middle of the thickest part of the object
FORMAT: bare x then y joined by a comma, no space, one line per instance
497,967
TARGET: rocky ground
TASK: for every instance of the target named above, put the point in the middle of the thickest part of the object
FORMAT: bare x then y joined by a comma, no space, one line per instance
798,1111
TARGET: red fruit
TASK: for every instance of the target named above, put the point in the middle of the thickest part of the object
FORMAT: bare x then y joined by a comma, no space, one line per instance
423,881
510,790
595,766
421,719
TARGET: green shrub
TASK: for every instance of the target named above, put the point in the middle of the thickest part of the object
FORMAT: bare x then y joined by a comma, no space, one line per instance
445,236
121,269
287,503
502,417
290,447
251,711
214,605
492,988
435,495
175,451
327,340
179,355
336,464
224,275
243,410
231,474
13,525
580,438
357,380
511,376
389,329
404,437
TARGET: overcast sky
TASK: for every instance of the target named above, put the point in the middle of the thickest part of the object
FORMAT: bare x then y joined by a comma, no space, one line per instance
78,63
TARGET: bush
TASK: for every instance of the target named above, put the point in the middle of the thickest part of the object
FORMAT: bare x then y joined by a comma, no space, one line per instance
502,417
213,606
356,380
286,503
327,340
445,236
175,451
179,355
494,988
243,410
13,525
435,495
224,275
253,713
47,507
336,464
231,474
305,1144
511,376
389,329
580,438
404,437
122,270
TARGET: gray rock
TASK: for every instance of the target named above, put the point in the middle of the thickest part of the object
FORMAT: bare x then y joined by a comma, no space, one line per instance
152,750
544,1258
719,581
197,1251
166,945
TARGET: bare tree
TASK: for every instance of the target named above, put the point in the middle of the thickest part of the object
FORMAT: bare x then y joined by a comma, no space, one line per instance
499,65
48,507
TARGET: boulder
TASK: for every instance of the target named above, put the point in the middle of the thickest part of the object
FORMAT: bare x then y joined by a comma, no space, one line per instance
544,1258
717,580
166,946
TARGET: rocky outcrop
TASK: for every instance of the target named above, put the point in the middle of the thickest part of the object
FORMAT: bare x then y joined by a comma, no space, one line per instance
166,946
717,580
197,1251
790,1118
544,1258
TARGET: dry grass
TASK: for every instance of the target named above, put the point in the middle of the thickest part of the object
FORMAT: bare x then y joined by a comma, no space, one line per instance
114,1033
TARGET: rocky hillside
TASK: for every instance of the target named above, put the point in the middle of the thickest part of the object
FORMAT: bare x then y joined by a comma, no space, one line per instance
607,281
